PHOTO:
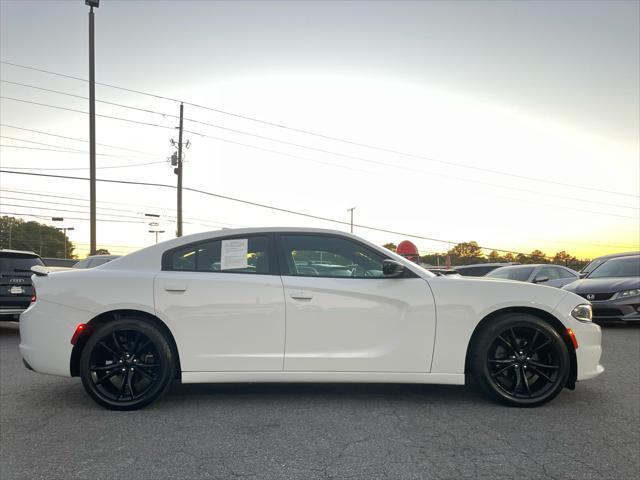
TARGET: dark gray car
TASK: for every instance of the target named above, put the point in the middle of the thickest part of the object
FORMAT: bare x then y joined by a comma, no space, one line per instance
613,288
545,274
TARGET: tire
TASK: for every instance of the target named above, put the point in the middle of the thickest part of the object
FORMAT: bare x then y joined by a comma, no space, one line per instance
127,364
520,360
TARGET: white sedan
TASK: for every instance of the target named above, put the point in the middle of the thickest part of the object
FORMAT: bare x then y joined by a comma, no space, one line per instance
300,305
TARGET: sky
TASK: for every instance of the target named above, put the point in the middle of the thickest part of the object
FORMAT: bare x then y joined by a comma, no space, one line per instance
518,122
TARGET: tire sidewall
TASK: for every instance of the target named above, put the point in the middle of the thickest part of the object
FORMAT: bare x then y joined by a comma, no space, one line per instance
167,372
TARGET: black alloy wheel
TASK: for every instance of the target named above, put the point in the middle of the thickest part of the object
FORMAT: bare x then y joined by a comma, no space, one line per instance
520,360
127,364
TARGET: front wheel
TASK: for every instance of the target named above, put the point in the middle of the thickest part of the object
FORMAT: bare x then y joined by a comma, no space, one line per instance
520,360
127,364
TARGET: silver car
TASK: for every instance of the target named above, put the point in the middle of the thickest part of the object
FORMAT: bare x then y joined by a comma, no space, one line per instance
551,275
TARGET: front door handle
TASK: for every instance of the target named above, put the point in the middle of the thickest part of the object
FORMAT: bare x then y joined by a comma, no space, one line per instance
172,287
301,295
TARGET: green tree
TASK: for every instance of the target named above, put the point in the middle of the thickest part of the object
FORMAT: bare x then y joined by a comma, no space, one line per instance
537,257
102,251
390,246
494,257
466,253
35,237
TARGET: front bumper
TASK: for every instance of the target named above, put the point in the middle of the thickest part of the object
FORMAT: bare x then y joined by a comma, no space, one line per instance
625,309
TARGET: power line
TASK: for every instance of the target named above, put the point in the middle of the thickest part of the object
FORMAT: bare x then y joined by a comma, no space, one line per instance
261,205
85,113
77,139
69,149
324,151
337,139
410,169
190,220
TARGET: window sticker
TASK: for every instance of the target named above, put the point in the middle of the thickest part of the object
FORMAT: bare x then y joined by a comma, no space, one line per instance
234,253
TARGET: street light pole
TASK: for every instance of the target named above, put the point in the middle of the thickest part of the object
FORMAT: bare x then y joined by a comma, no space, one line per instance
64,231
92,129
351,210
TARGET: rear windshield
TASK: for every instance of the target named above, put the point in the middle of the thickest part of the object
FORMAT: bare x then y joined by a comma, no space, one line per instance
511,273
12,264
618,267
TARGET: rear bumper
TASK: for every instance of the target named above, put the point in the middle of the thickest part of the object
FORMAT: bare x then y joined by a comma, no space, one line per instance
46,329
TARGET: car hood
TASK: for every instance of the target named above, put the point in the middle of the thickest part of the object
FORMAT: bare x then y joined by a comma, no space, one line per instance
603,285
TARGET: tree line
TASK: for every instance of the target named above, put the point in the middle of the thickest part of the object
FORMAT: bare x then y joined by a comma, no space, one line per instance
467,253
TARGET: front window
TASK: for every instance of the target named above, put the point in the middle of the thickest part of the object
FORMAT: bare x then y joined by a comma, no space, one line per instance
618,267
326,256
521,274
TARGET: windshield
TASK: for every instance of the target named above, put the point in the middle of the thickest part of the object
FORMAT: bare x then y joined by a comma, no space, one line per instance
618,267
592,265
521,274
12,264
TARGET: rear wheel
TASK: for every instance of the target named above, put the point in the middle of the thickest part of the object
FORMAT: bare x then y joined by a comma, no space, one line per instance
127,364
520,360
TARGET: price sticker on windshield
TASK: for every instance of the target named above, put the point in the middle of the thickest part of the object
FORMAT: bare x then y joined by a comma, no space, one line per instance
234,253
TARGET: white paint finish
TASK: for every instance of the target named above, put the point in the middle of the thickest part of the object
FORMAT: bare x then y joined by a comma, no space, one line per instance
231,327
358,325
45,336
223,321
321,377
463,302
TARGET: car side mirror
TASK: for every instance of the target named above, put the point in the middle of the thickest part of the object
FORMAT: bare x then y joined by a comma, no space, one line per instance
540,279
391,268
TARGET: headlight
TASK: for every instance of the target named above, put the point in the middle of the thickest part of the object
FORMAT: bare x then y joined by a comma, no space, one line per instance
582,313
629,293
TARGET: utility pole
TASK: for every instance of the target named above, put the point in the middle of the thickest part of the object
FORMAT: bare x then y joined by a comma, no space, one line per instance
178,171
179,232
92,130
351,210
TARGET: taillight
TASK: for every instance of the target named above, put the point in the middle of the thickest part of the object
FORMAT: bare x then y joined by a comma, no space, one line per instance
33,296
78,333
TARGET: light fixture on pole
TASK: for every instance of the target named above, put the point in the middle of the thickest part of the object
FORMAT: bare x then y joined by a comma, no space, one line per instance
156,231
64,231
92,129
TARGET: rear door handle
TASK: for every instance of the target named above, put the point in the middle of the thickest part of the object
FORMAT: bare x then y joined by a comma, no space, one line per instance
172,287
301,295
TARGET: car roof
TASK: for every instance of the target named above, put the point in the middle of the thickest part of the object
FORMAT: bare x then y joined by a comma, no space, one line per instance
616,255
23,253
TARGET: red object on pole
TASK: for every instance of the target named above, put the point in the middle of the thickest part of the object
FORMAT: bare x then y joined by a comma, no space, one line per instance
408,250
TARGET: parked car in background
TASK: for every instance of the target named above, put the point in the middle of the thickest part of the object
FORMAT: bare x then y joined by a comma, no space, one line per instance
16,288
95,260
441,271
479,269
544,274
593,264
613,288
256,305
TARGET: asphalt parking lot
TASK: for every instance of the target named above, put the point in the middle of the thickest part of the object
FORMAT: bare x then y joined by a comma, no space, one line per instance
50,429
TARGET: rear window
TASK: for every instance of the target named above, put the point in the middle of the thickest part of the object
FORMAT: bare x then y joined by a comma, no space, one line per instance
22,262
511,273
